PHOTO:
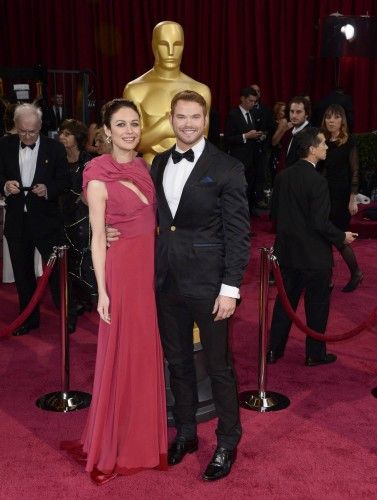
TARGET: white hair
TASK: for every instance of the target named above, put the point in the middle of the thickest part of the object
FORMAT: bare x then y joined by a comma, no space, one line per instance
24,110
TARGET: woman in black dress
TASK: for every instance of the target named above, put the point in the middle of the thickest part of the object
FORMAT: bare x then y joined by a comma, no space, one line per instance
82,289
341,168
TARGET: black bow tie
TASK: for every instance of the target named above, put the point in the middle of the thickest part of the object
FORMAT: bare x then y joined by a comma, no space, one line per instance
177,157
31,146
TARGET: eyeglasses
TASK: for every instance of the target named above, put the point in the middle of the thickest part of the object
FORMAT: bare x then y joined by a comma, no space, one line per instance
31,133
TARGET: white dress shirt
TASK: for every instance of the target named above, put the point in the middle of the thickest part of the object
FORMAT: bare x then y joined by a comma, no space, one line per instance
245,113
175,178
27,158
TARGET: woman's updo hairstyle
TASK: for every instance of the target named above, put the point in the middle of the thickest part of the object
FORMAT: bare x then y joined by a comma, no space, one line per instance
113,106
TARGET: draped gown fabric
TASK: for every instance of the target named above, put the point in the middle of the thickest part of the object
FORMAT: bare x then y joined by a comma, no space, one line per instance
126,428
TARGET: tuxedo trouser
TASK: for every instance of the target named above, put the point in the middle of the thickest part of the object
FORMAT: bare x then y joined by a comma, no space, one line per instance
316,300
176,315
21,251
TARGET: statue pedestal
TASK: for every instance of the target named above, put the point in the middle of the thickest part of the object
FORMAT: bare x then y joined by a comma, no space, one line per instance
206,409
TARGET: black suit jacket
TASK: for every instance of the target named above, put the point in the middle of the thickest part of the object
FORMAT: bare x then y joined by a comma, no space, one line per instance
235,126
292,155
300,208
208,241
52,169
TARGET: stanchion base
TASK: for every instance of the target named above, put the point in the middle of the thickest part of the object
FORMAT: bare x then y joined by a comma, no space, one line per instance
269,401
64,401
374,392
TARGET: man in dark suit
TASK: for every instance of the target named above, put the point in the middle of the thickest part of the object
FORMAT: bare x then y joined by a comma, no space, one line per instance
202,252
58,112
264,122
33,174
299,114
241,137
304,236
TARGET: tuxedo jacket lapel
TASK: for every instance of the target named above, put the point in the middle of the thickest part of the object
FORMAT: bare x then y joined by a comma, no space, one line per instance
14,154
41,160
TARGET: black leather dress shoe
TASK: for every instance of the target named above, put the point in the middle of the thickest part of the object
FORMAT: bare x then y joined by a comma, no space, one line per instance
273,356
179,448
220,464
24,329
329,358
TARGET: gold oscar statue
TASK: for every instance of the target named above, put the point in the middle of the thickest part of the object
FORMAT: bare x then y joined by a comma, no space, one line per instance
153,91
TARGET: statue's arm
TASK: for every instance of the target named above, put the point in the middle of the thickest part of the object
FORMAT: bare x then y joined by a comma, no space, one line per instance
156,133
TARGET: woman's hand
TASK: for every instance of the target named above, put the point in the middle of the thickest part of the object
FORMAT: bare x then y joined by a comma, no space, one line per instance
103,307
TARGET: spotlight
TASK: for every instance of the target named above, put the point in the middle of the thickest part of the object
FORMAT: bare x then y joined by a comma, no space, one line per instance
348,31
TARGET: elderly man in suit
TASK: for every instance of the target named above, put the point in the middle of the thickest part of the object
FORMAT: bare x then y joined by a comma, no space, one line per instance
33,173
202,252
304,236
241,137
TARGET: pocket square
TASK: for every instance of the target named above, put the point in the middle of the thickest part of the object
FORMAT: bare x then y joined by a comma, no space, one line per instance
207,180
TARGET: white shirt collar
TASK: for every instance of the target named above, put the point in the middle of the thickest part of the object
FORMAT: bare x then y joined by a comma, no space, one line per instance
36,143
298,129
243,110
198,148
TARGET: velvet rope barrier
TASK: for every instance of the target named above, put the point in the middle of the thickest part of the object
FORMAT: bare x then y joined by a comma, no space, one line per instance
372,318
39,291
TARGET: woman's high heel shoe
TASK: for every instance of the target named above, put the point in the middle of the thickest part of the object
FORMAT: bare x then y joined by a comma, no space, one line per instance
354,282
99,478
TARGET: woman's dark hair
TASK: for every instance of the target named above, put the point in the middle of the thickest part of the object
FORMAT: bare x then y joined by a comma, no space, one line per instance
336,110
113,106
78,130
308,137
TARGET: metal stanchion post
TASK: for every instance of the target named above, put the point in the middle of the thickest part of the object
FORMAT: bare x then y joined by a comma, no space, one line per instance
262,400
65,400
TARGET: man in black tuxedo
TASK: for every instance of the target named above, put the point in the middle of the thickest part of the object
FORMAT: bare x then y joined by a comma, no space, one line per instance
304,236
299,114
33,174
241,137
202,252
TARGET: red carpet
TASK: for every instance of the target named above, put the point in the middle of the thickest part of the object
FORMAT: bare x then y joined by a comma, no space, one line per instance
322,447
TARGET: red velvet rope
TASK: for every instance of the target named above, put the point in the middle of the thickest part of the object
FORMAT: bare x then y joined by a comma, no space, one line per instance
308,331
39,291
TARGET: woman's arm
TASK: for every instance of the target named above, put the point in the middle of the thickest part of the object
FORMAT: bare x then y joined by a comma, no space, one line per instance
91,135
97,196
354,167
283,126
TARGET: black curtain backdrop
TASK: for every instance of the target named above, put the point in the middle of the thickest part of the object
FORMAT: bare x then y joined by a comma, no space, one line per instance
228,44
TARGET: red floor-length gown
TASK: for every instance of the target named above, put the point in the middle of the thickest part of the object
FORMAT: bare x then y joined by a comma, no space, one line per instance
126,427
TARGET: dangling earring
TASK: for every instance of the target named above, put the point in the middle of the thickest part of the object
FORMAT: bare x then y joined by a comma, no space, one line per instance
108,139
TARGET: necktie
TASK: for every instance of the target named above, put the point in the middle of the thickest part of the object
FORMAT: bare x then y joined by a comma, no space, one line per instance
31,146
248,119
177,157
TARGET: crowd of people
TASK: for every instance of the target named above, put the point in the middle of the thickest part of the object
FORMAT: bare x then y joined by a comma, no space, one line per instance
91,189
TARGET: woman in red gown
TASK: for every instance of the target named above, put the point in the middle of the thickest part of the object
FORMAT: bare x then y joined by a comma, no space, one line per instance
126,427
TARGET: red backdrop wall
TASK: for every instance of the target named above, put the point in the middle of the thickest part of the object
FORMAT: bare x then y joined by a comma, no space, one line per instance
228,44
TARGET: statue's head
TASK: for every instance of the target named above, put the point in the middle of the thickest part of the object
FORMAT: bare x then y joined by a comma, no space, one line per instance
167,44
